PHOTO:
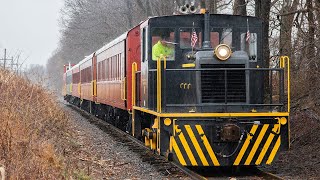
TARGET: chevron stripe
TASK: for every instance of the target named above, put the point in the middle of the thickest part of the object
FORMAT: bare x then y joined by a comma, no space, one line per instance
196,145
256,144
207,145
178,152
274,151
245,144
267,144
187,149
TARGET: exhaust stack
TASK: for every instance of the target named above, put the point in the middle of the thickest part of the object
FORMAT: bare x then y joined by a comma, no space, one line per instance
189,7
206,34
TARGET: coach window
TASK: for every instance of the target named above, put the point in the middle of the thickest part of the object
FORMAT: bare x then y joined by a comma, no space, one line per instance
108,69
163,43
187,38
99,71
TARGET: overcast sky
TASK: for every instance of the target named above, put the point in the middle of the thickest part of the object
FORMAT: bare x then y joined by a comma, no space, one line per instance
30,26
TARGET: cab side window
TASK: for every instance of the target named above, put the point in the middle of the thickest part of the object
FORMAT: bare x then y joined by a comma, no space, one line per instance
163,44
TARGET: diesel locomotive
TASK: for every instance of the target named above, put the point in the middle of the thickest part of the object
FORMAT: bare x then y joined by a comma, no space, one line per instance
213,102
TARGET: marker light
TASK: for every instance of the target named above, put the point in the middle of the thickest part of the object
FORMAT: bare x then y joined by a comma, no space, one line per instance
223,52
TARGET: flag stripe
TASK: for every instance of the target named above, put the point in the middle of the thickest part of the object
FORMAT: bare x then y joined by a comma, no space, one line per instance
194,38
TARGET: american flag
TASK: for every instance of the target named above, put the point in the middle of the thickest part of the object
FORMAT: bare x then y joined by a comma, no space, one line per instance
248,32
194,38
248,36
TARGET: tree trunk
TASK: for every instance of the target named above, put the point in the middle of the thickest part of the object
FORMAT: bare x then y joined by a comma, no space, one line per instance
317,3
129,13
213,6
144,5
286,27
240,7
262,10
313,65
311,40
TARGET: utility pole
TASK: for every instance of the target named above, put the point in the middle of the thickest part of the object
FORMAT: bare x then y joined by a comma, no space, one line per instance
5,59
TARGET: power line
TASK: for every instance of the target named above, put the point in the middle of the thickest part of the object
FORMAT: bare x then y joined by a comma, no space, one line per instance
8,63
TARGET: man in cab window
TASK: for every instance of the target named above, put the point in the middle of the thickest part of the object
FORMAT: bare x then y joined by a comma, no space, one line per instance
163,47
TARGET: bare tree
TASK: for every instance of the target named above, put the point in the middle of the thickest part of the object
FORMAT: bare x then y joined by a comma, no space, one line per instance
287,17
311,39
37,74
213,5
240,7
262,9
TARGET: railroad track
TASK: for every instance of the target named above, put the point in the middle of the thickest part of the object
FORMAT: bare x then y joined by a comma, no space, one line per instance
170,169
244,173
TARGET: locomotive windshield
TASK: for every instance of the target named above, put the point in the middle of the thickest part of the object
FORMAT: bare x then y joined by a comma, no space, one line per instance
186,35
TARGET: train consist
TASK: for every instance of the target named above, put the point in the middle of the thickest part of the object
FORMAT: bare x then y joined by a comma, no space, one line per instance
205,97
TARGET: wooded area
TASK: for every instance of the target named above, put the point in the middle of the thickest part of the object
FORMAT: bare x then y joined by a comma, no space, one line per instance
291,25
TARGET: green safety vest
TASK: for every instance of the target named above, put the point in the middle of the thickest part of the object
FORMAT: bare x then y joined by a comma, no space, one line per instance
159,49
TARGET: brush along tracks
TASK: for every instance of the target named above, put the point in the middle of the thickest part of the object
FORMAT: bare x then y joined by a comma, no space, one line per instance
170,170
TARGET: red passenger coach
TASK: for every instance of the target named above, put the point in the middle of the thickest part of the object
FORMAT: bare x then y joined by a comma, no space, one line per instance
86,78
101,83
75,81
111,73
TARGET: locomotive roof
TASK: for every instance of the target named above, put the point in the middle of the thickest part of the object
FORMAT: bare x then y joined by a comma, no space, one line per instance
211,15
216,19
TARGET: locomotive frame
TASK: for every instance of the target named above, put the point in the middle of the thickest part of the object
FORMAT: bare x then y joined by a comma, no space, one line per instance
196,109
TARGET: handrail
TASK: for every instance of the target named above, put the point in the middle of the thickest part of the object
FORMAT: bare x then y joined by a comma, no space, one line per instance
283,61
159,84
123,89
79,89
279,70
70,87
94,88
223,69
134,69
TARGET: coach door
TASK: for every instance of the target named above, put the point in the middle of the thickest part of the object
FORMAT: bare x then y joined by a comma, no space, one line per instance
94,78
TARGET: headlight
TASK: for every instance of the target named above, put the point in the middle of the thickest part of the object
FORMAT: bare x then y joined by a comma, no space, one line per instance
223,52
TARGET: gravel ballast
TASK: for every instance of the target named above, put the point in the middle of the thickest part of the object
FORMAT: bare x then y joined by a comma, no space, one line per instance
99,156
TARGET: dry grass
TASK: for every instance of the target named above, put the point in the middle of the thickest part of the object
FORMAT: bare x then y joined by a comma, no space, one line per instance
33,131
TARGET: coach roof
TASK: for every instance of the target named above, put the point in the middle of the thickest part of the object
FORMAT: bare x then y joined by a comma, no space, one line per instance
112,43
